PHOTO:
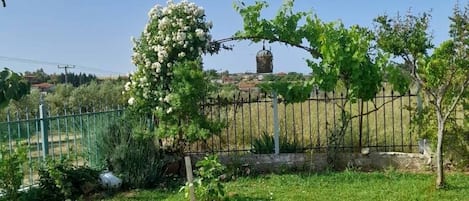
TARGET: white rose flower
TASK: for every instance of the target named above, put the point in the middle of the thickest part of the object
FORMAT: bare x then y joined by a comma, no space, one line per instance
131,100
200,34
167,98
156,65
127,86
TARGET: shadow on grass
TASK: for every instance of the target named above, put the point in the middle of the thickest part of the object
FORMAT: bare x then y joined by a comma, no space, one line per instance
245,198
456,187
140,195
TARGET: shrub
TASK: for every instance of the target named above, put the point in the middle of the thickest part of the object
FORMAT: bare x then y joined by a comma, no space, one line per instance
11,172
456,142
132,153
208,186
265,145
60,180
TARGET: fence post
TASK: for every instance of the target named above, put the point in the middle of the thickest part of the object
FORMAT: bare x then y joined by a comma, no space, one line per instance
44,127
276,123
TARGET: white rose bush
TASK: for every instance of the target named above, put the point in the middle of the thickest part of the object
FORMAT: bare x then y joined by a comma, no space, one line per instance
169,82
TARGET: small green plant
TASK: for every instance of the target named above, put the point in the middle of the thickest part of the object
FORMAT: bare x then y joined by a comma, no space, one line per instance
208,186
11,172
352,167
290,146
60,180
265,145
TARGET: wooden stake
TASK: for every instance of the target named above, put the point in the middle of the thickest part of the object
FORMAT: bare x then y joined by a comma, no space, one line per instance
190,177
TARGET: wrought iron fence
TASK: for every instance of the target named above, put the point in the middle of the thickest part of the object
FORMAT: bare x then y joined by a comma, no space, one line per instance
381,124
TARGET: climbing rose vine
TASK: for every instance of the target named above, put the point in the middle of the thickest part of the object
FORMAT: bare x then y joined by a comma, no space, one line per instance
169,81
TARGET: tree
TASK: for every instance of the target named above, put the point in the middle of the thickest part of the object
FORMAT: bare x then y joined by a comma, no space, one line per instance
26,105
60,99
39,76
442,75
341,56
212,74
12,86
169,82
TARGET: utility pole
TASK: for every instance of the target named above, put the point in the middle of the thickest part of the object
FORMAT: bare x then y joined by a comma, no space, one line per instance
66,67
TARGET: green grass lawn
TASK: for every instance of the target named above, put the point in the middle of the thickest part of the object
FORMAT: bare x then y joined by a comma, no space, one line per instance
328,186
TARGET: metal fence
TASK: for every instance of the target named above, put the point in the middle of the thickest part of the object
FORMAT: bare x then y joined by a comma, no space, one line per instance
382,124
69,135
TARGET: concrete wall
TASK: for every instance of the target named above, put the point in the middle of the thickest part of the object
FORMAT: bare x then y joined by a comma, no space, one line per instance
318,161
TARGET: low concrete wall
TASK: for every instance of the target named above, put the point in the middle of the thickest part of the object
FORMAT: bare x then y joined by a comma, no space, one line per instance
318,161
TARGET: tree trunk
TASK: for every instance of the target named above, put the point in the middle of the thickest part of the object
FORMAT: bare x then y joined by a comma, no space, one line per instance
440,178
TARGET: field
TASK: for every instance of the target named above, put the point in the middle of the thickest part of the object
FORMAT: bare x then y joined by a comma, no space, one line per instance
346,185
385,125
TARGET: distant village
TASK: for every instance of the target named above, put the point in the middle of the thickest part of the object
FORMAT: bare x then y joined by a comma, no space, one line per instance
241,81
248,81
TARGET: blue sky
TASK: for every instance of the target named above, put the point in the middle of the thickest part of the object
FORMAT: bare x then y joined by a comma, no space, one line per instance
95,35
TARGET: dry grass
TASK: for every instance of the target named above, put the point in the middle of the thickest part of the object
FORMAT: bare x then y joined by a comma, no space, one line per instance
310,123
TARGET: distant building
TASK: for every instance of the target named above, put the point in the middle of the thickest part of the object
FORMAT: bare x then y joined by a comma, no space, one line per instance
280,74
30,78
44,87
227,80
248,86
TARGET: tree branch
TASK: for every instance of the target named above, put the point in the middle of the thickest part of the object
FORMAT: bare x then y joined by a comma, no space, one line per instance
312,51
377,108
342,106
456,100
444,88
419,81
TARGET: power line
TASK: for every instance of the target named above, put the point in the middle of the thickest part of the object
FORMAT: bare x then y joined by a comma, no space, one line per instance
50,63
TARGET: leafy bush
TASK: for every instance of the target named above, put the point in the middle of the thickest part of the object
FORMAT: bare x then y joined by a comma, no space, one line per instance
132,153
456,142
208,186
60,180
11,172
265,145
